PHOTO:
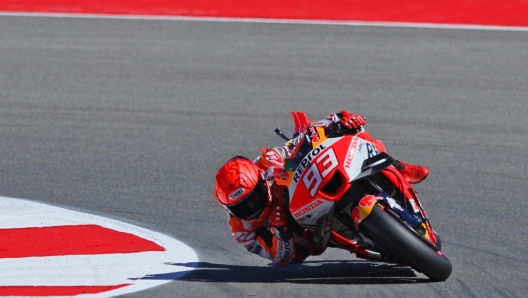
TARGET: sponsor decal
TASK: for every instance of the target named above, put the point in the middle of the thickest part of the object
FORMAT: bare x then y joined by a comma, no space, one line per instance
371,150
393,204
284,250
242,237
288,249
350,154
307,208
314,134
237,193
415,207
368,201
322,123
307,162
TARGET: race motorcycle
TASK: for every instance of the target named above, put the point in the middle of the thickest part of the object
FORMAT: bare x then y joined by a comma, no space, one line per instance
352,197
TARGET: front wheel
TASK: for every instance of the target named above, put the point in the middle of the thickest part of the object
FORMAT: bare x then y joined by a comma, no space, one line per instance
398,238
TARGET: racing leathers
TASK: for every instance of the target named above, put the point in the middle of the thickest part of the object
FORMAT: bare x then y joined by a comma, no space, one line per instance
264,240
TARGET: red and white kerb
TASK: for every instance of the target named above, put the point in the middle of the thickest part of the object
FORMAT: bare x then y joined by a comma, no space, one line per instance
52,251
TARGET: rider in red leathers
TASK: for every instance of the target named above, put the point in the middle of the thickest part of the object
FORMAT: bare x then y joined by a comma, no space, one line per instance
257,207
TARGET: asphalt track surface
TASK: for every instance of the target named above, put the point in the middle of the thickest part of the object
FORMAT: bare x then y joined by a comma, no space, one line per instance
132,118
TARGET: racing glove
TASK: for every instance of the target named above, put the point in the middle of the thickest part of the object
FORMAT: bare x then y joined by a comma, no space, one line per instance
278,216
272,164
351,121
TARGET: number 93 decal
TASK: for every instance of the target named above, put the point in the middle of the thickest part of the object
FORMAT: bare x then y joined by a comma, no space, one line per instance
324,164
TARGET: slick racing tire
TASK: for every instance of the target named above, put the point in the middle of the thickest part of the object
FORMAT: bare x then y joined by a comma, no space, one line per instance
395,236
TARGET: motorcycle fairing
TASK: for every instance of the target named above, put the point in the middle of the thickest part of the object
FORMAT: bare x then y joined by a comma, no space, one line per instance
306,173
319,179
412,199
366,204
308,214
328,165
301,121
323,228
374,165
363,209
317,137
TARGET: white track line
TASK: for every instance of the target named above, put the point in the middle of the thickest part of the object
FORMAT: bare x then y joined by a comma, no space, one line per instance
270,21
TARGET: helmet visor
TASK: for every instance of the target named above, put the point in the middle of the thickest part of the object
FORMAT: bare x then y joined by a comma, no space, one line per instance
252,206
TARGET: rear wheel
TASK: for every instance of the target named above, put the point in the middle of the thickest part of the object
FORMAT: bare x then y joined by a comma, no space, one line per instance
398,238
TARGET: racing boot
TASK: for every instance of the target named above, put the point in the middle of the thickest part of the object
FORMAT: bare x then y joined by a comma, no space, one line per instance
305,247
412,173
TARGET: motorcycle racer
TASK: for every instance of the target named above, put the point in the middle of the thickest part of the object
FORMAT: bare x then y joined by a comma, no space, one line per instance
257,207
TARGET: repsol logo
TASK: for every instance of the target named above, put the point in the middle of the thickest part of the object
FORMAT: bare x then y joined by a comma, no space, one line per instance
307,161
307,208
